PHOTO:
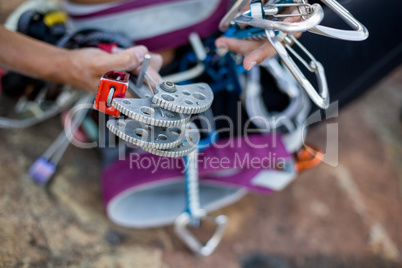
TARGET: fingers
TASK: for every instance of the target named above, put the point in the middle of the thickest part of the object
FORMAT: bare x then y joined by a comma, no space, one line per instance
154,75
239,46
156,61
293,10
258,55
257,51
128,59
131,60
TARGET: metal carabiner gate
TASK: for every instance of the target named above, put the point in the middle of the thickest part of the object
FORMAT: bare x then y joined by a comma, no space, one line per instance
281,43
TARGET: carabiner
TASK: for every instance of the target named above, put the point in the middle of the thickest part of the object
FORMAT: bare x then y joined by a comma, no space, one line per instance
255,16
281,42
315,17
224,24
359,32
274,8
194,214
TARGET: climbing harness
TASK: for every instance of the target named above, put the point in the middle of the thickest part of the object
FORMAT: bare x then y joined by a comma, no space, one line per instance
359,32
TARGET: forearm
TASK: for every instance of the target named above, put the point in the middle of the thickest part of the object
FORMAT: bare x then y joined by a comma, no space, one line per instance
32,57
81,68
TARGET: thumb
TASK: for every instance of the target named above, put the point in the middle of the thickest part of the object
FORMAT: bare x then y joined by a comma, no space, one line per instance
128,59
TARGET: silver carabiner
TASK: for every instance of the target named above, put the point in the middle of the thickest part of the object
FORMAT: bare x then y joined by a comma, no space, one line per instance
272,10
359,32
180,228
224,24
194,214
254,17
315,16
281,43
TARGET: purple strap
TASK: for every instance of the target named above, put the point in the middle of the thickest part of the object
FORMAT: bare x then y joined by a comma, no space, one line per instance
122,7
230,161
180,37
169,40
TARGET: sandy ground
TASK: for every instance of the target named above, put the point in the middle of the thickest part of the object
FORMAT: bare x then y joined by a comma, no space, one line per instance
344,216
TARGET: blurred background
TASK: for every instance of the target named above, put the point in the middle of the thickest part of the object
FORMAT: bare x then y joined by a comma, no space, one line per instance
344,216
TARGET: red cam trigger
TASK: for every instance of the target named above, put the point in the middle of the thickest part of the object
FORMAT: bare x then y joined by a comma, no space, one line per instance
112,85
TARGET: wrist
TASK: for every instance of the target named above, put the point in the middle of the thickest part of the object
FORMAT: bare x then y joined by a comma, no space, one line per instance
57,69
78,69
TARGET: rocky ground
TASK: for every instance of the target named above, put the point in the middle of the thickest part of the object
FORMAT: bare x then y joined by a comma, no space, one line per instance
344,216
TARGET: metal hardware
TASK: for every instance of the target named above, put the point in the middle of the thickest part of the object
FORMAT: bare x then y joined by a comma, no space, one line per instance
142,92
110,96
152,120
228,18
168,87
257,14
321,98
316,16
188,99
143,70
273,9
359,32
180,228
158,126
144,135
112,85
194,214
188,145
144,111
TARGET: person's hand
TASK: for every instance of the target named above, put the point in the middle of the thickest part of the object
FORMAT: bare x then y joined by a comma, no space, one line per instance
89,64
256,51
